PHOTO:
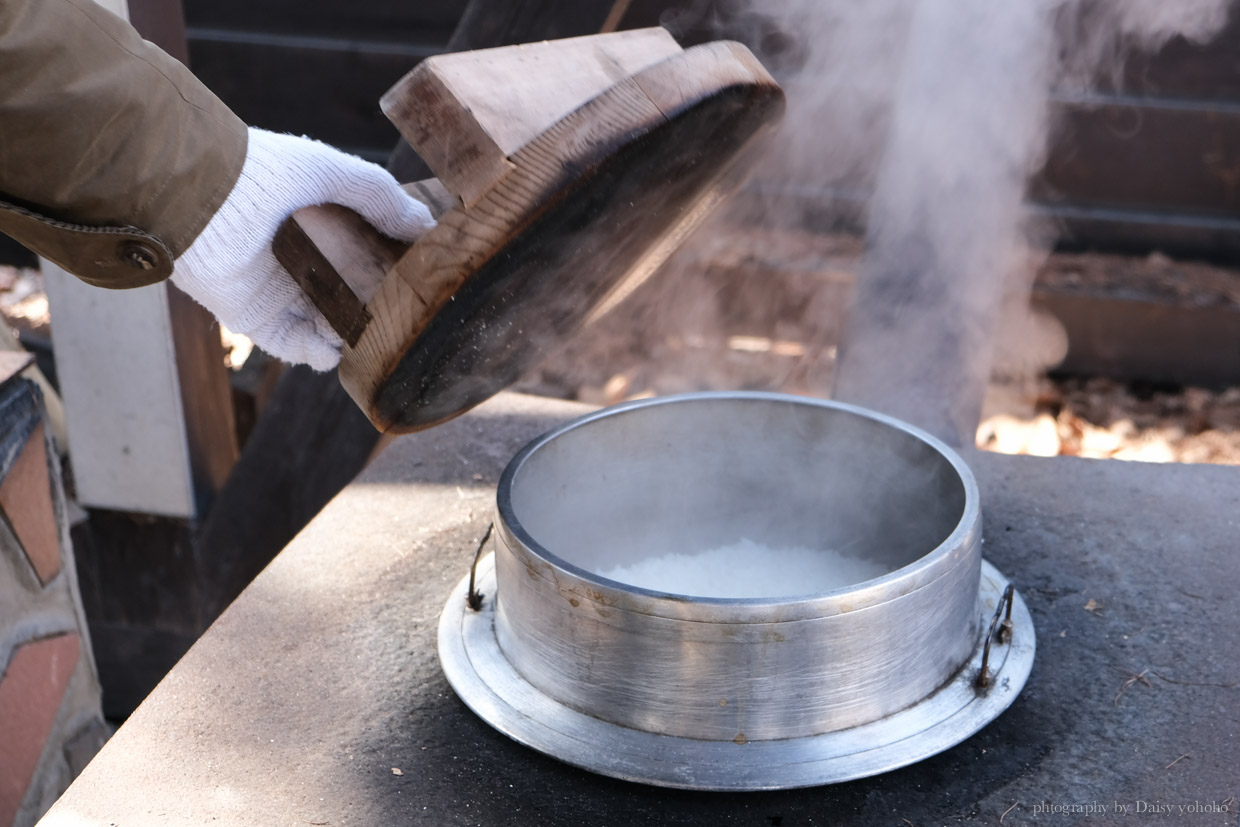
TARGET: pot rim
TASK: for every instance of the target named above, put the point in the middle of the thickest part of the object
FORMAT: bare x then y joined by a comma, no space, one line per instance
893,585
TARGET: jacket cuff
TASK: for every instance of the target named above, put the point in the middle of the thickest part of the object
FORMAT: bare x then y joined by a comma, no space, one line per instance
118,257
100,133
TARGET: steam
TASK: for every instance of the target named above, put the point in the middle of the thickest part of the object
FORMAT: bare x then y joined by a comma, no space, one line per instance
940,109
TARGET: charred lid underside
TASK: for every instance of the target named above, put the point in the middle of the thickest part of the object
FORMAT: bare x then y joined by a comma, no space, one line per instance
599,235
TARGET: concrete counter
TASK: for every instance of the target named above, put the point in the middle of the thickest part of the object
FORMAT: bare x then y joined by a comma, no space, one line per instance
317,698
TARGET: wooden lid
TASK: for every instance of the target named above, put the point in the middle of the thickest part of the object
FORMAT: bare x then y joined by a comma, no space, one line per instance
556,232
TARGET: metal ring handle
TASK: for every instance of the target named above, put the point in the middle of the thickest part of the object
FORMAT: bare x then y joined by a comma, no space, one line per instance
473,597
1000,631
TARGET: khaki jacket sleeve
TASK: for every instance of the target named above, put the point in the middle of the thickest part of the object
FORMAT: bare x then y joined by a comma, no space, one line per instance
113,157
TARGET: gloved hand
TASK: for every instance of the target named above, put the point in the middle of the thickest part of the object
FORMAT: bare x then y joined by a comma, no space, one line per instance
230,269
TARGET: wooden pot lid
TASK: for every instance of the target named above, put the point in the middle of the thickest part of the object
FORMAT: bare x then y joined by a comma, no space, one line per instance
541,238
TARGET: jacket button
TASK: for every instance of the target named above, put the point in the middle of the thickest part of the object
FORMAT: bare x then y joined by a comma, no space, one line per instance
139,256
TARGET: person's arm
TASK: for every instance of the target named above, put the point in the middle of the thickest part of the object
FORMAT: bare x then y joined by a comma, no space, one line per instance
118,165
100,131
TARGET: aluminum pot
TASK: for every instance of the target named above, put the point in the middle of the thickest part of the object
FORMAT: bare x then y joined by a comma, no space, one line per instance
700,471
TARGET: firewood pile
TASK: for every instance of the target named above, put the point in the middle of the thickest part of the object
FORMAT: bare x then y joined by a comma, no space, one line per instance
1104,419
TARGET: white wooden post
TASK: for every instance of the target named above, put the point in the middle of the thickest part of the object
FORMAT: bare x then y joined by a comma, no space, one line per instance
118,378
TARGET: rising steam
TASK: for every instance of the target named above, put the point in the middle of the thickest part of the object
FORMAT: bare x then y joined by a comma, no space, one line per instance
939,109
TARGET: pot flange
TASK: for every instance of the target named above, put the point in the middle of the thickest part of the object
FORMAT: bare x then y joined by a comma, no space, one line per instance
484,679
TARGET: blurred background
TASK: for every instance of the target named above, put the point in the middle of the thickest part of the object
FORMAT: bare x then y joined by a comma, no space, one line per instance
1135,345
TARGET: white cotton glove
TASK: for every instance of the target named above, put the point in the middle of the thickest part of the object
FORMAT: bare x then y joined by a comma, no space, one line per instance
230,269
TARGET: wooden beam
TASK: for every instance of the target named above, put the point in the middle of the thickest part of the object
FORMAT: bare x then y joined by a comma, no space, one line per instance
206,397
490,23
385,21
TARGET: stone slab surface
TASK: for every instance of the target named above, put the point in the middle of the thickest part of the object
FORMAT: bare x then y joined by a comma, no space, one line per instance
317,697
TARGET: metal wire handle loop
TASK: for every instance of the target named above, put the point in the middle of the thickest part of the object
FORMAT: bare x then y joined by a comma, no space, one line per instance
1000,631
473,598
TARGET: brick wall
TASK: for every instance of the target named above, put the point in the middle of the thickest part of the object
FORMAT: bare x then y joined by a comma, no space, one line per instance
50,719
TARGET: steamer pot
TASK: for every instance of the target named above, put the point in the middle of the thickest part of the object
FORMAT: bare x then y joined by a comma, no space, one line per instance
745,693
